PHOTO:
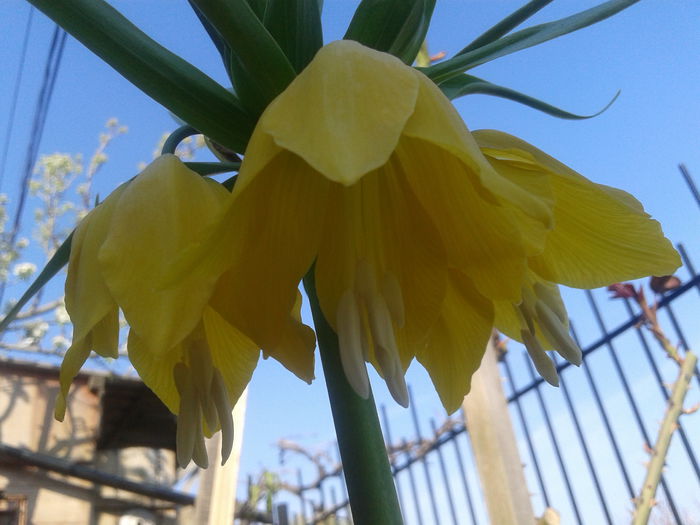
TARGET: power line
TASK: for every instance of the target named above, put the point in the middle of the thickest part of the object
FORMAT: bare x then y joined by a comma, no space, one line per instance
53,63
15,95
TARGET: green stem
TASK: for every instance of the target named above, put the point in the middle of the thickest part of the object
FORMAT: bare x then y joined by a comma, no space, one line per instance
645,502
365,464
177,136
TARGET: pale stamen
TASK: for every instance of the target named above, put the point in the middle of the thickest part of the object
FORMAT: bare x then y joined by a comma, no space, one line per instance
385,349
219,394
556,333
187,422
350,341
202,369
544,365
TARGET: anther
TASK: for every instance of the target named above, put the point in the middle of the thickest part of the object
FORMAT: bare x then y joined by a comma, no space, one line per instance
544,365
555,331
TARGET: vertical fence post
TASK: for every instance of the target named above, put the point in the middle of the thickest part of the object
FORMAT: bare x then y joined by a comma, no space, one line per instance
216,496
494,445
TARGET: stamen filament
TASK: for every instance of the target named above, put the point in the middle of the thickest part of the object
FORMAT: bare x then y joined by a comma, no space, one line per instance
349,339
544,365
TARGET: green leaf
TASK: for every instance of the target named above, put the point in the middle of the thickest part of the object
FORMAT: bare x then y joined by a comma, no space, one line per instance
212,168
377,23
267,69
166,77
408,42
506,25
523,39
221,45
258,7
296,26
468,85
58,261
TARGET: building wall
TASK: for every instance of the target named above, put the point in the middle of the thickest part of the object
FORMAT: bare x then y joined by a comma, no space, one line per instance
27,395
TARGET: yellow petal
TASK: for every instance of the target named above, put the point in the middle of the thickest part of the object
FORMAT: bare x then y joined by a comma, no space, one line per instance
163,210
269,238
88,300
602,235
232,353
73,360
517,165
156,370
457,341
436,121
344,113
479,234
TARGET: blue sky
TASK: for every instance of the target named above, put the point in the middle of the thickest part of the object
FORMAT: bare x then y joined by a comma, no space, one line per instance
649,52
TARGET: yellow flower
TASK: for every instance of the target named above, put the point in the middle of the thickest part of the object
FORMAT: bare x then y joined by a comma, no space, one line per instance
601,235
365,168
196,362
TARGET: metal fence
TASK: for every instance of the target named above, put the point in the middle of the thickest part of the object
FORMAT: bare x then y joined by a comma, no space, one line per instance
583,446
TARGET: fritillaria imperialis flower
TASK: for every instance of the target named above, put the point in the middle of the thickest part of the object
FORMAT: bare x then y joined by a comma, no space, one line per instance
421,235
196,362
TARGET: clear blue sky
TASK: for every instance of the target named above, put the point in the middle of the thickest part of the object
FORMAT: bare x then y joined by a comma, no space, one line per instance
649,52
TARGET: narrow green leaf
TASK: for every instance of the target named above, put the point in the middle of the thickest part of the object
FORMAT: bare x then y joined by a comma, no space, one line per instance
523,39
506,25
166,77
266,67
377,23
468,85
408,42
296,26
58,261
221,45
258,7
212,168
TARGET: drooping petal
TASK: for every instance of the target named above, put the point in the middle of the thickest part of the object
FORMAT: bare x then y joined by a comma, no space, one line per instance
232,353
457,341
269,238
156,370
479,234
73,360
88,300
602,235
436,121
344,113
163,210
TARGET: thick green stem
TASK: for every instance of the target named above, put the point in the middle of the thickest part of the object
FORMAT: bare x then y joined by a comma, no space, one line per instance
366,467
645,502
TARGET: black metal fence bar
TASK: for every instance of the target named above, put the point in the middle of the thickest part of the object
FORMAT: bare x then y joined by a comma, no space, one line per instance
555,442
606,419
412,481
528,437
424,462
445,478
463,477
389,441
691,183
584,447
630,398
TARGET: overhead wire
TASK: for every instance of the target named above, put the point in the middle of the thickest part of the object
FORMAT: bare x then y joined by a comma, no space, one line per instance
15,95
53,63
